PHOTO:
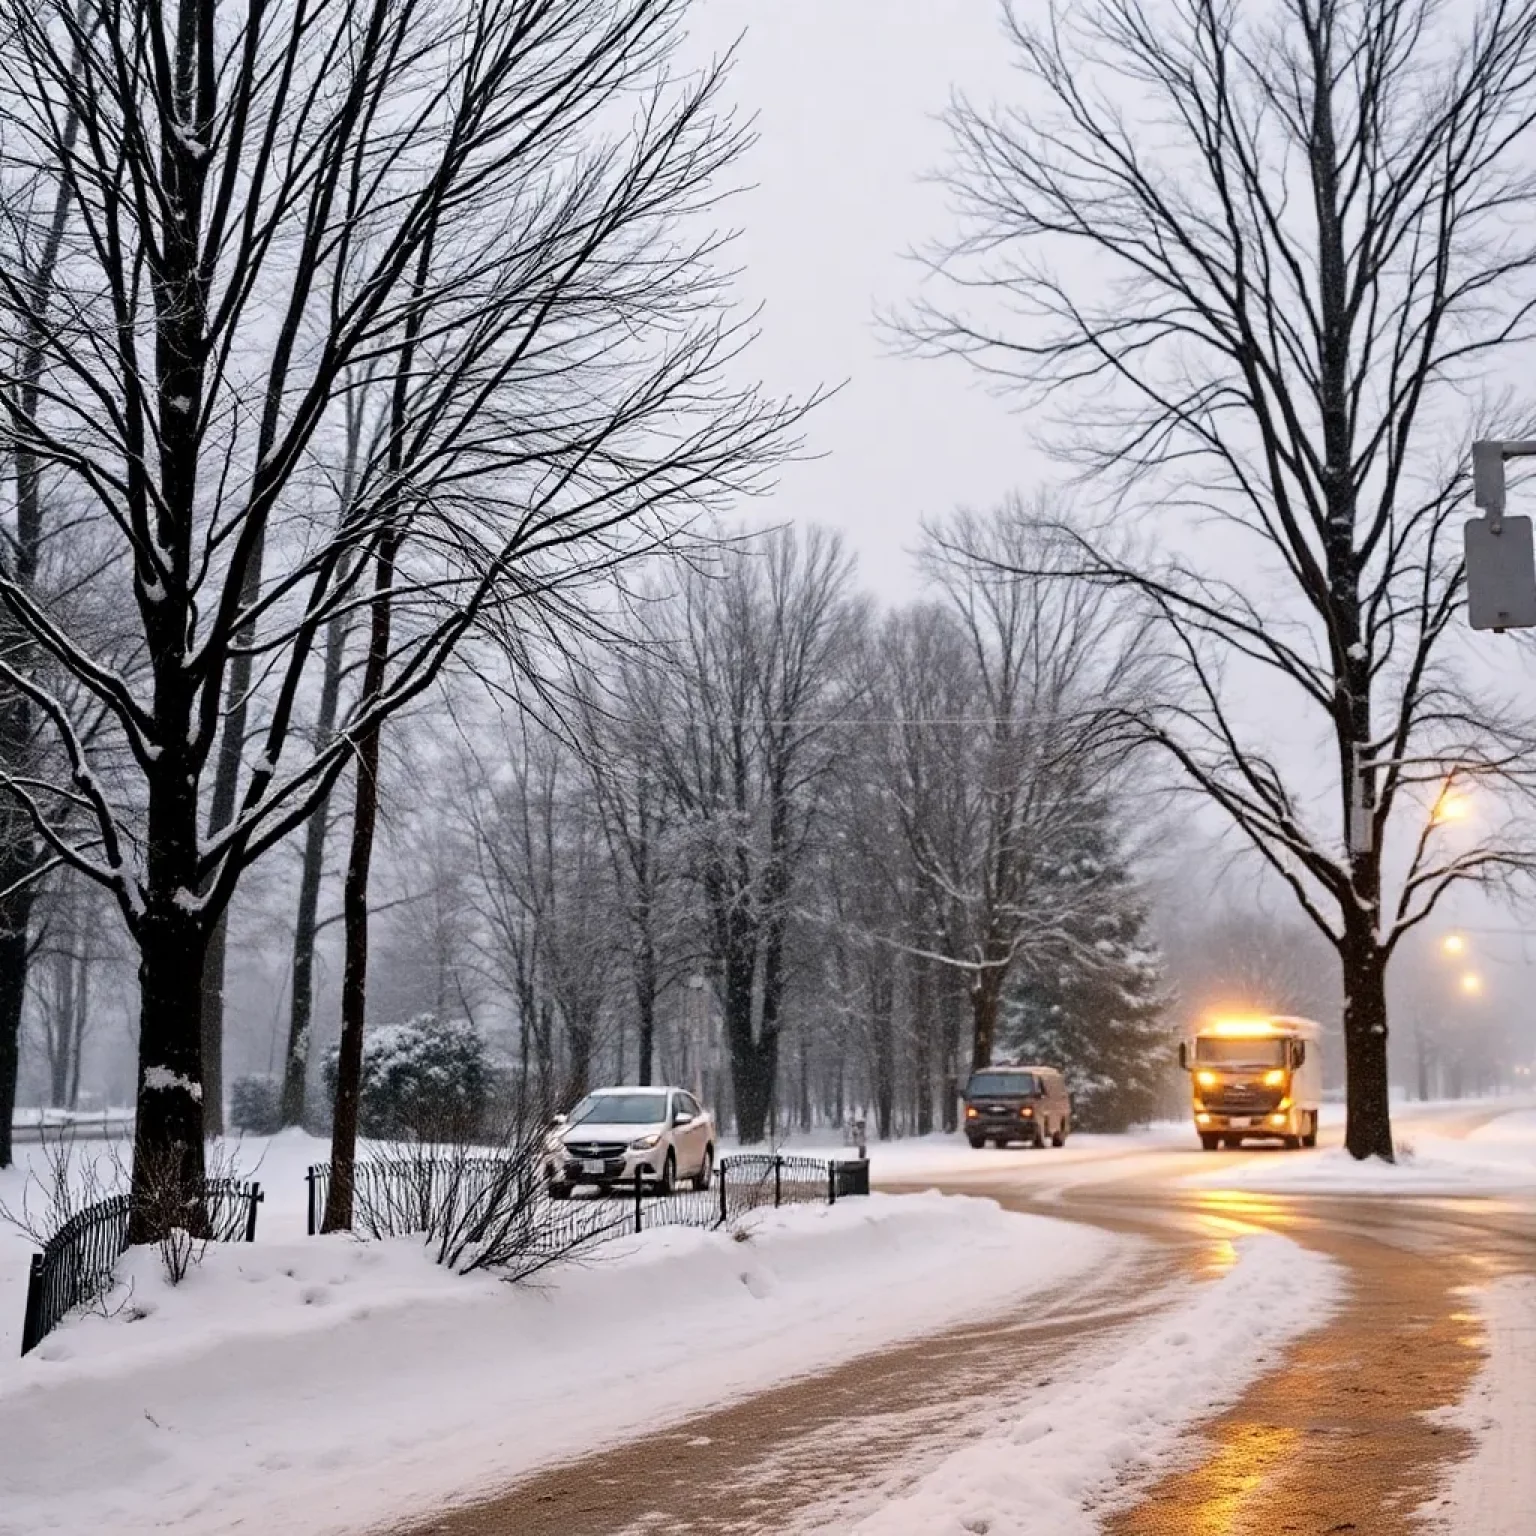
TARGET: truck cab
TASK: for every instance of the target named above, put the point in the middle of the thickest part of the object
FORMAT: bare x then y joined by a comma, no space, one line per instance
1255,1079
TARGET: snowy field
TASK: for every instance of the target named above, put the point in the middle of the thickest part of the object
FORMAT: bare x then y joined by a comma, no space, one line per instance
323,1385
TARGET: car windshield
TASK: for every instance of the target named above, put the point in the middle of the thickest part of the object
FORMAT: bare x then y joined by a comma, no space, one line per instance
985,1083
1235,1051
620,1109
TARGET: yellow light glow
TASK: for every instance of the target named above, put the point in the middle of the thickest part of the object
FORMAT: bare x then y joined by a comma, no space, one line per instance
1206,1079
1275,1079
1242,1029
1202,1119
1453,944
1451,806
1277,1119
1471,984
970,1113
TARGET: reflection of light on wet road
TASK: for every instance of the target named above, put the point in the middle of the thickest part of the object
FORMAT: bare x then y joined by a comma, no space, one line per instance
1230,1484
1224,1215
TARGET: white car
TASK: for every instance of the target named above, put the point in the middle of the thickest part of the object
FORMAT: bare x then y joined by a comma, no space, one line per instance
614,1136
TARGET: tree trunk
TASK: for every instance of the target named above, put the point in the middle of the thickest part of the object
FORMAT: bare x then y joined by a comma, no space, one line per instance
1368,1131
803,1107
645,1004
306,924
301,1007
211,1012
922,1046
168,1130
78,1026
15,924
754,1068
354,976
62,1034
953,1003
986,997
579,1080
881,1006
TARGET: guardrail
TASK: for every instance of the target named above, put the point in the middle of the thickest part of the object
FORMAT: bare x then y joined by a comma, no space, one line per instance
79,1127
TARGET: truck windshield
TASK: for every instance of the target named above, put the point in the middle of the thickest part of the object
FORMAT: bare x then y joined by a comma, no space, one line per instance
985,1084
1227,1051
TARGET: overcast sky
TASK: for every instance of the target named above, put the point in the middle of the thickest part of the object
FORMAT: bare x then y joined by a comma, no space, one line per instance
847,94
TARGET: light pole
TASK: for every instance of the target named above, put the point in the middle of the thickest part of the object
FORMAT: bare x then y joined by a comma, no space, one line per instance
1501,568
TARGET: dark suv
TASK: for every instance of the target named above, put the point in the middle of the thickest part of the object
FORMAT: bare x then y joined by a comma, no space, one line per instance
1028,1104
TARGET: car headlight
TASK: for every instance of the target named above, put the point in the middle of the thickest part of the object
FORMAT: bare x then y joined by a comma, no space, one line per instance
645,1143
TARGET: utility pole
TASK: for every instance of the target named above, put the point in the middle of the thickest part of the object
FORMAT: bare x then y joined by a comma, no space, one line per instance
1501,568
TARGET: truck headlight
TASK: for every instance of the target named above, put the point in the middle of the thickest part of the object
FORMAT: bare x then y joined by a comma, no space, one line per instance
1206,1079
1275,1079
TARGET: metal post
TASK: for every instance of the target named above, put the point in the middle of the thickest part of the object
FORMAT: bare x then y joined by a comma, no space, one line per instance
831,1183
725,1163
639,1192
254,1197
309,1179
778,1178
32,1319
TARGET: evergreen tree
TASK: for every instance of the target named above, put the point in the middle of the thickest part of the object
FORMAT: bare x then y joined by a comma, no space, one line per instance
1090,998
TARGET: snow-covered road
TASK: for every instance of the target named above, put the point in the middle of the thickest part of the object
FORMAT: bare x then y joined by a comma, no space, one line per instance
314,1385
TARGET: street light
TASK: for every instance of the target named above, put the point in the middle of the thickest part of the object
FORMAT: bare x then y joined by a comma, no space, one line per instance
1451,805
1471,983
1453,944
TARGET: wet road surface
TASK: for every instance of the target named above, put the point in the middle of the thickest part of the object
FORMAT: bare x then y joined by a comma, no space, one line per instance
1332,1439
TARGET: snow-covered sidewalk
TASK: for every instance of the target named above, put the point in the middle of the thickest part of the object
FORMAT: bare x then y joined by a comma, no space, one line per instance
323,1385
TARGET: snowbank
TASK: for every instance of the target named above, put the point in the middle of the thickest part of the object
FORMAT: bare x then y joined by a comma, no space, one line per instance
1498,1157
1494,1489
1101,1430
324,1385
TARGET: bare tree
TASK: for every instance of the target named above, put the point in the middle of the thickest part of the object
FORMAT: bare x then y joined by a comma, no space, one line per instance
494,202
992,797
548,901
750,716
617,742
1265,262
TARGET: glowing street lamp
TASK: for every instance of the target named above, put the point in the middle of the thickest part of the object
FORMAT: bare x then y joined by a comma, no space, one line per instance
1453,944
1451,806
1471,984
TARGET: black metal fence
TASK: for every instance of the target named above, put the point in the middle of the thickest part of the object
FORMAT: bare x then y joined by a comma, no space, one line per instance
399,1197
76,1263
394,1196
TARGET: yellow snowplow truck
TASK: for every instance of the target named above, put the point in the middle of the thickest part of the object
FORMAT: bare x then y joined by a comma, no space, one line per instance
1255,1079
